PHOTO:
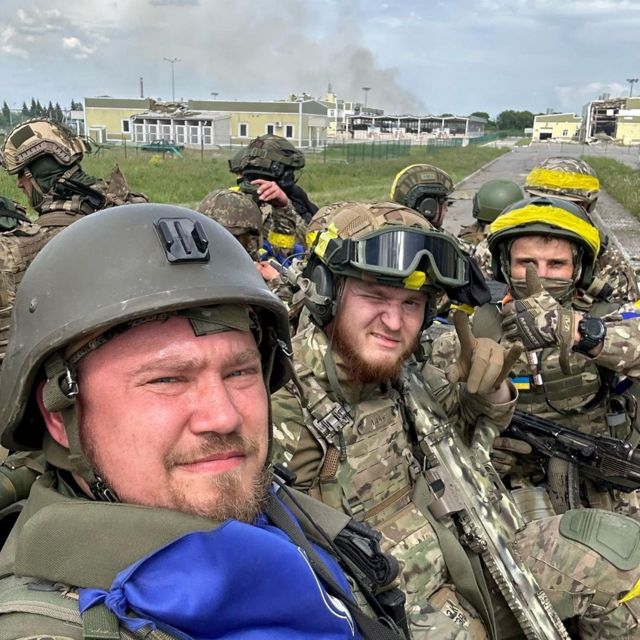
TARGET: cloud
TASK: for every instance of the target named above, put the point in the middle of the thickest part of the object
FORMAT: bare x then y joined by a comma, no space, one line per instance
570,95
80,50
177,3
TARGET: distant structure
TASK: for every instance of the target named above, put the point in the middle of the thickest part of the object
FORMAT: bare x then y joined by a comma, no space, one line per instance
303,119
556,126
616,119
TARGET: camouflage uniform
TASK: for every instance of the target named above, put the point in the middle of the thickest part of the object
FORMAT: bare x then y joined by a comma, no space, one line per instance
373,482
38,145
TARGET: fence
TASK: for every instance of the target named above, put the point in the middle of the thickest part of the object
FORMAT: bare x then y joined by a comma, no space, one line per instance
353,152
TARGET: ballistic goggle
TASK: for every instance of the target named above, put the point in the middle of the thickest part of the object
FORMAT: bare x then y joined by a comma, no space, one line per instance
421,257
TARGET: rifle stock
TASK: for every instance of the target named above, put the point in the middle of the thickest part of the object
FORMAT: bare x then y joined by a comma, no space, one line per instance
463,486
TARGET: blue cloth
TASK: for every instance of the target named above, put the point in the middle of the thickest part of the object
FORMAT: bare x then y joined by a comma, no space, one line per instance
626,315
269,252
237,581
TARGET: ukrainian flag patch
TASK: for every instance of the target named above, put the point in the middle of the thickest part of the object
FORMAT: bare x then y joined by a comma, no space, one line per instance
521,382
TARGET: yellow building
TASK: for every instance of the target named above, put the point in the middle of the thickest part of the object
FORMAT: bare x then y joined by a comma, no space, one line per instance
628,122
108,119
556,126
303,122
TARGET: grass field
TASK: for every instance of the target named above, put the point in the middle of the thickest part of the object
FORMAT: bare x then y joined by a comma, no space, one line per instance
186,181
620,182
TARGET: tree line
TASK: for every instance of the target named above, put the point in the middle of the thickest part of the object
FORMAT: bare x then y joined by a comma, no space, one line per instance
35,109
507,120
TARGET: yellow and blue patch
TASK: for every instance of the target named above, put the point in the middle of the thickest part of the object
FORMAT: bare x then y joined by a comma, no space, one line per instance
523,383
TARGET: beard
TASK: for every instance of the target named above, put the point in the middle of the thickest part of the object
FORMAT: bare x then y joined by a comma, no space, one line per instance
228,497
360,370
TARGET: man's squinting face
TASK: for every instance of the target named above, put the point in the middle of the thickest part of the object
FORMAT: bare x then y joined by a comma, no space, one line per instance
377,328
25,185
553,258
178,421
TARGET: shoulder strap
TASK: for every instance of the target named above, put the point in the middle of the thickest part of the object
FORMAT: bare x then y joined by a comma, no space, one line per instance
370,628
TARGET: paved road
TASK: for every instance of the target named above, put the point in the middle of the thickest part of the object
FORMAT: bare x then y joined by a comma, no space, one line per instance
624,228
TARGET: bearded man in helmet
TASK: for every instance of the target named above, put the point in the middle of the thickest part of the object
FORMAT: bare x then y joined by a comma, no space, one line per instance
265,169
158,516
45,157
345,428
545,250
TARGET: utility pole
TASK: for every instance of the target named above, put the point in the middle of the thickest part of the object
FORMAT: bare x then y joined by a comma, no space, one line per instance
631,82
215,95
172,61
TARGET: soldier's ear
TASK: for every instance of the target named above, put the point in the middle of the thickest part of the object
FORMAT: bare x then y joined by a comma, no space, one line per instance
52,419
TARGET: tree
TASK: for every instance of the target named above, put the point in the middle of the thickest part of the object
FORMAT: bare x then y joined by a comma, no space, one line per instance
58,115
25,110
33,109
510,119
445,115
6,112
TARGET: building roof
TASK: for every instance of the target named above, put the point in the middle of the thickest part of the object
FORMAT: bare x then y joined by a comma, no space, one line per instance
118,103
558,117
281,106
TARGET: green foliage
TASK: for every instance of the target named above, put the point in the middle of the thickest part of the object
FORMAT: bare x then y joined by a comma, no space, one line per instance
619,181
186,181
523,142
510,119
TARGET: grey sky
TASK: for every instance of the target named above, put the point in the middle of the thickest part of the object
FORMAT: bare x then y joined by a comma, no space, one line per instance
417,56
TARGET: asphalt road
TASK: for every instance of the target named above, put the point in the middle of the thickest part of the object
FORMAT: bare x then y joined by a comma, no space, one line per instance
624,229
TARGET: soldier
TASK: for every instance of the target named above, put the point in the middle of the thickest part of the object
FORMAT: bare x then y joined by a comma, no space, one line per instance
240,215
424,188
149,397
12,215
574,180
266,170
345,430
568,376
488,203
45,156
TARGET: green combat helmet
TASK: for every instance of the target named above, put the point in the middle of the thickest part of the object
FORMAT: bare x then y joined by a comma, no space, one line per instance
38,137
423,188
549,217
268,157
238,214
569,178
11,214
493,197
383,242
153,259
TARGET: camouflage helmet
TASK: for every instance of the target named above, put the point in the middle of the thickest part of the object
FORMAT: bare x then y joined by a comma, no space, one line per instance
270,155
563,177
235,211
39,137
154,259
422,187
548,217
382,242
493,197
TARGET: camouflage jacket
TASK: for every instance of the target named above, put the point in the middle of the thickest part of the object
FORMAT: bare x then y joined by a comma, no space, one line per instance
588,399
474,233
282,226
368,471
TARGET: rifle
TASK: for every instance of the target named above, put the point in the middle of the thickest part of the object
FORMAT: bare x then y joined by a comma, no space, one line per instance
609,462
463,486
66,186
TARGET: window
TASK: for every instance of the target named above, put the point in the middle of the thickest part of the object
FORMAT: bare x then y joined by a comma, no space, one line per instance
243,130
126,126
332,113
565,133
288,131
271,128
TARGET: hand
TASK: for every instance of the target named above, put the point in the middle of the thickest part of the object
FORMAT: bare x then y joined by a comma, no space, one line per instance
505,452
483,363
538,321
269,191
267,271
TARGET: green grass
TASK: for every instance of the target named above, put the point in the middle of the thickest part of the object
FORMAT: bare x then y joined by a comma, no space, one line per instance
619,181
186,181
523,142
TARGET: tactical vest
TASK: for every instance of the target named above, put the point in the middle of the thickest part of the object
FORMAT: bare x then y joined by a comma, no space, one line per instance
18,248
55,550
367,472
473,233
588,398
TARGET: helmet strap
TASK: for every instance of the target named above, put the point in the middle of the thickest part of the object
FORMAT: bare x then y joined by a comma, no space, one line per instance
59,395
